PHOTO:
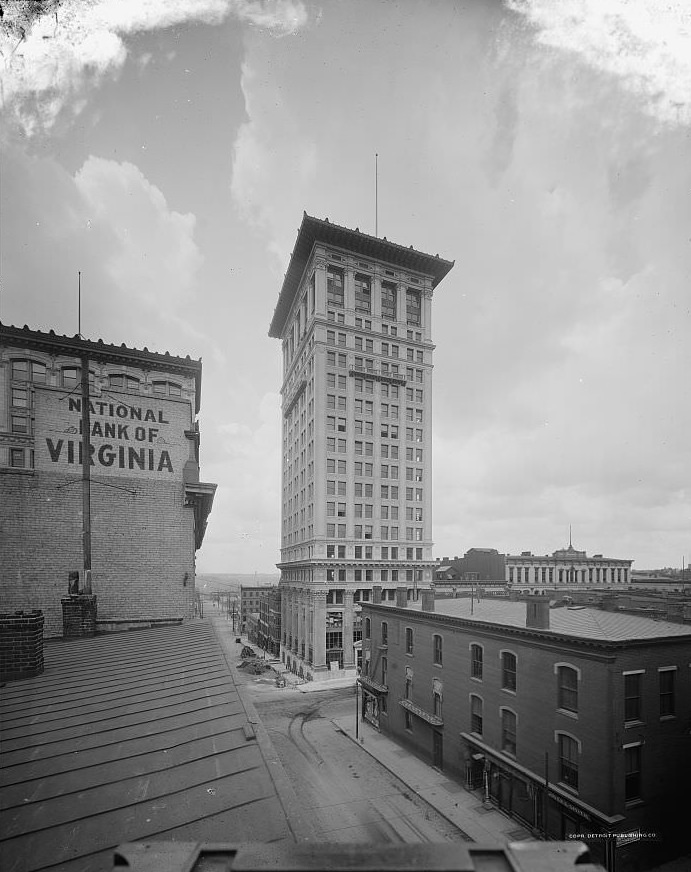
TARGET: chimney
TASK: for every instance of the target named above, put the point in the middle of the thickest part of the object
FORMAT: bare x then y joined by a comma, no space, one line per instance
427,600
376,594
537,613
401,597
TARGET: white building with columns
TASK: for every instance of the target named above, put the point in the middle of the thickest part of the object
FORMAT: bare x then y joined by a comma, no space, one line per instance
566,567
354,319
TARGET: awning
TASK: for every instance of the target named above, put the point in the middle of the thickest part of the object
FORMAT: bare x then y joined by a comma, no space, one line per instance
421,713
373,686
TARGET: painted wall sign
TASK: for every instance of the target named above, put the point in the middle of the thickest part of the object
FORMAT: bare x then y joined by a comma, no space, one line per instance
127,437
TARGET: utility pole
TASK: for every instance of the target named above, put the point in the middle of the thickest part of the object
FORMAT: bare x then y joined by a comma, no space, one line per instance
86,476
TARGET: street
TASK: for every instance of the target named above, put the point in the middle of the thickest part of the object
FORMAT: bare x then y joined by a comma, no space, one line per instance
349,796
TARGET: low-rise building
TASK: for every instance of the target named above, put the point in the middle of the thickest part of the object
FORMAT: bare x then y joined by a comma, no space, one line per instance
567,567
270,620
573,720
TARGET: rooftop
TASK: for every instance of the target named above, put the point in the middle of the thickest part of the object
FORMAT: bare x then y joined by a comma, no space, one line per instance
132,737
77,346
314,230
577,622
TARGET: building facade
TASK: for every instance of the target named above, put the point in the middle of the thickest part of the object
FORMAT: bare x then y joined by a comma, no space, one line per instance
270,621
477,564
354,319
531,573
147,509
572,720
251,598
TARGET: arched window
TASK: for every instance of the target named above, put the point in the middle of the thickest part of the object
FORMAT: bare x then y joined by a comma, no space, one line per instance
569,752
384,634
166,388
408,640
476,707
508,730
476,661
567,688
437,649
368,628
508,670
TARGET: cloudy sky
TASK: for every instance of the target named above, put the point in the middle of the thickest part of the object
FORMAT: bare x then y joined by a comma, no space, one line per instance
168,148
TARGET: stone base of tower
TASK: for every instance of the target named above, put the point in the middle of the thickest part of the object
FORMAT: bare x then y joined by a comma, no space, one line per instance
302,669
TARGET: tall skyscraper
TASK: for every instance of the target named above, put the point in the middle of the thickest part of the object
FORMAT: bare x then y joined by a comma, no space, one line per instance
354,318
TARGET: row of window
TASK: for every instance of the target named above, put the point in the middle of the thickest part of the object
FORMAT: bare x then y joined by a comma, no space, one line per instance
338,316
573,576
26,370
335,296
633,693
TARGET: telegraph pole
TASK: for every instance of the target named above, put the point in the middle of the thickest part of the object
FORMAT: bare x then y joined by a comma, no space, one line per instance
86,476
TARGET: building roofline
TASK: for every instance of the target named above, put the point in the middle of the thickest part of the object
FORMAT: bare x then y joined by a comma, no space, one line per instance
545,635
313,230
77,346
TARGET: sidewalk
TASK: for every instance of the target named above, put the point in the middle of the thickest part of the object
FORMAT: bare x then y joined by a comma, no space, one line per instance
449,798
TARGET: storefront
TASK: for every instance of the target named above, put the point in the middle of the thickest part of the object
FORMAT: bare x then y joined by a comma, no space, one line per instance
374,700
546,809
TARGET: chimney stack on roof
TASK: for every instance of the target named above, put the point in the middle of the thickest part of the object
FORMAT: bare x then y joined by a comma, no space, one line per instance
401,597
427,600
376,594
537,613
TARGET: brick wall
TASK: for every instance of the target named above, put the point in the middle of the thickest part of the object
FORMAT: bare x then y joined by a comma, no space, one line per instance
142,545
598,724
21,645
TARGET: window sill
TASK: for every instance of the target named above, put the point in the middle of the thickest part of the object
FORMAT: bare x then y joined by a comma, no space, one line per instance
568,713
668,717
475,678
568,788
509,691
633,803
438,665
629,724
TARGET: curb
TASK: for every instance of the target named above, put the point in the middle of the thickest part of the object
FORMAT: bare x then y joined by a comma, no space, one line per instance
401,778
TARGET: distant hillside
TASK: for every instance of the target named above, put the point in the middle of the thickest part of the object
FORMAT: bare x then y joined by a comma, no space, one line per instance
223,582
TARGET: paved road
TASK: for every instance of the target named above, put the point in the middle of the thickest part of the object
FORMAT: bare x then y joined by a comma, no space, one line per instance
349,796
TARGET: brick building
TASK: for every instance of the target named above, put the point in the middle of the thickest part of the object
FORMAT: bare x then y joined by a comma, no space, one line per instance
250,603
508,695
477,564
270,621
354,319
148,509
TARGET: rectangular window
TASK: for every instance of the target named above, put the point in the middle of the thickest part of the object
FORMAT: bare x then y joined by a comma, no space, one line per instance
388,301
363,294
413,307
632,772
568,761
508,731
476,715
508,670
408,640
334,287
667,701
633,683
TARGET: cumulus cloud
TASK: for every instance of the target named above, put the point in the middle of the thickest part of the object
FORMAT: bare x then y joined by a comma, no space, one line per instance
156,258
646,44
52,58
266,145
